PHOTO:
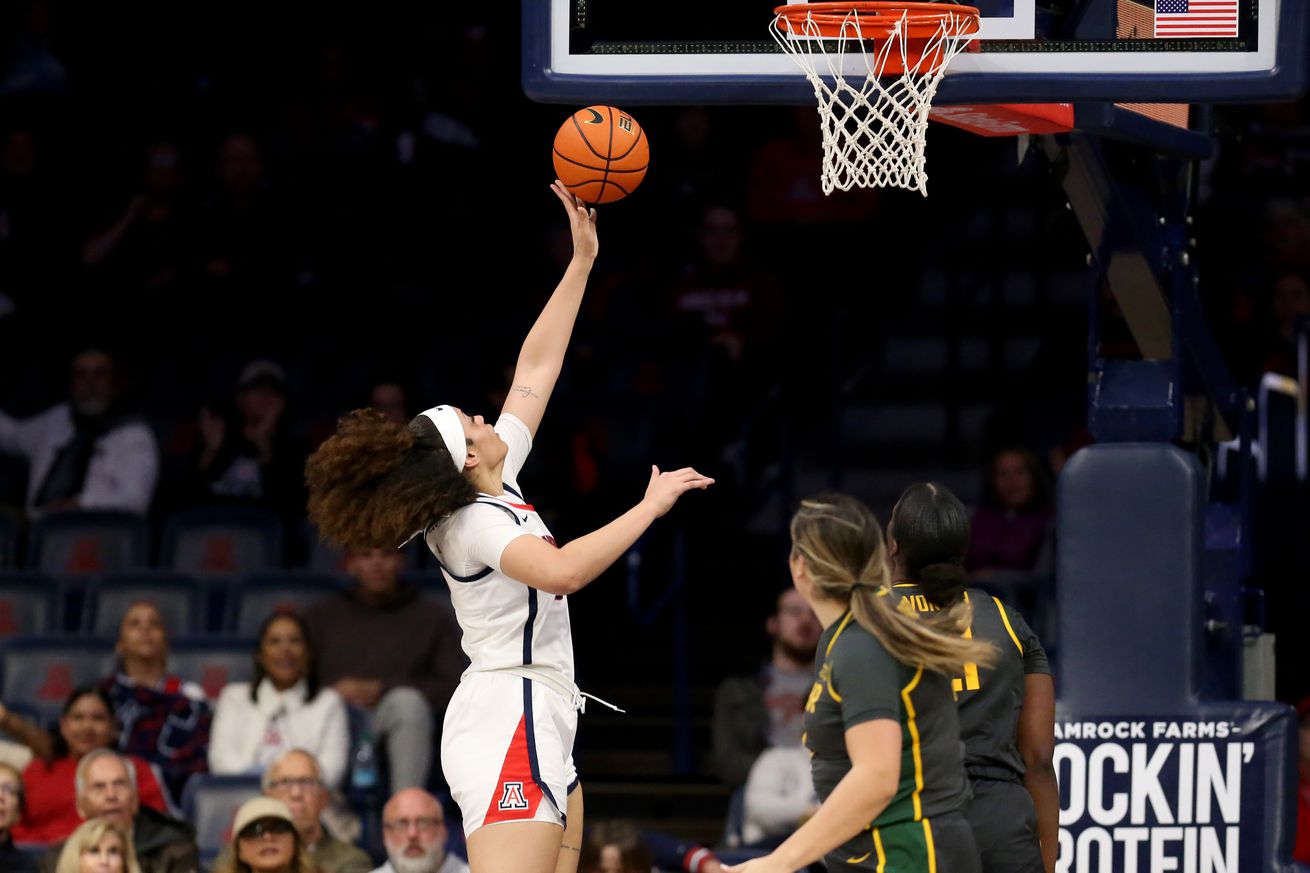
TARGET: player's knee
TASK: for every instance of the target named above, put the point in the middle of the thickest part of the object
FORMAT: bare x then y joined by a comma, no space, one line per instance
407,704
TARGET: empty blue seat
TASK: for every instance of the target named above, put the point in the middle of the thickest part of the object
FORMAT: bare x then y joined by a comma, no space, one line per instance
82,542
210,804
43,671
258,596
212,663
29,604
222,542
178,597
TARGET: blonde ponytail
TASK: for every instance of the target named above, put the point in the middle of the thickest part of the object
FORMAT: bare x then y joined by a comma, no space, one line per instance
846,557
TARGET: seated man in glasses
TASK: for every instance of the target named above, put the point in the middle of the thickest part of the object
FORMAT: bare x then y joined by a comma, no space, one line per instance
296,780
106,788
414,830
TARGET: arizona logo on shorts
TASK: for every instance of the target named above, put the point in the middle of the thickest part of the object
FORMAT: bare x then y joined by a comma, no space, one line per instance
517,794
512,796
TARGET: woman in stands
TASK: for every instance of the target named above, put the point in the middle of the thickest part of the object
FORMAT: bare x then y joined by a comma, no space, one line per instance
884,679
101,845
1007,711
87,723
11,807
255,723
451,477
164,719
264,840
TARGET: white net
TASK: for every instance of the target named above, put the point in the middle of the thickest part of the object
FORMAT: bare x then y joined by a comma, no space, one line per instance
874,128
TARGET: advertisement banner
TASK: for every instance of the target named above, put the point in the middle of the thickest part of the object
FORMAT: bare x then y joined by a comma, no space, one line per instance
1213,791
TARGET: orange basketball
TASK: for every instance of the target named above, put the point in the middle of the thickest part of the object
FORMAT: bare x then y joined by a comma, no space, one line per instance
601,154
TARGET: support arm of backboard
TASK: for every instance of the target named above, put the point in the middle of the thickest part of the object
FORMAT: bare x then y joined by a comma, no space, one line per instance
1147,266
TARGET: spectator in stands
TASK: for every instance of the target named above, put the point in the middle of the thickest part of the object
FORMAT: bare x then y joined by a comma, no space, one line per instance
107,790
1011,534
296,780
102,845
389,399
250,457
11,807
414,833
399,686
779,796
255,723
87,724
88,452
620,847
145,247
264,840
767,710
243,240
162,718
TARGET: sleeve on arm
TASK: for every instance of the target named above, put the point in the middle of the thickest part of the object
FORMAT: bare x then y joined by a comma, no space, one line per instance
489,531
867,678
1034,656
519,440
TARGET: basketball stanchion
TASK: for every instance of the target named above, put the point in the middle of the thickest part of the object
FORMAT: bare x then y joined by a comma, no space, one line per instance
875,121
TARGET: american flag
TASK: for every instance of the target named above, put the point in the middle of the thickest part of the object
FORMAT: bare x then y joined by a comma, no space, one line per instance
1183,19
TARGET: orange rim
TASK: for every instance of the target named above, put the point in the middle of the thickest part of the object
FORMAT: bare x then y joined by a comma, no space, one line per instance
877,19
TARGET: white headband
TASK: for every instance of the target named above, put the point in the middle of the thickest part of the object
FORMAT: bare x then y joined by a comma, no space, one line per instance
452,433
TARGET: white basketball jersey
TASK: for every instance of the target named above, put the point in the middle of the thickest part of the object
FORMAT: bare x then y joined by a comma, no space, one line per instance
505,622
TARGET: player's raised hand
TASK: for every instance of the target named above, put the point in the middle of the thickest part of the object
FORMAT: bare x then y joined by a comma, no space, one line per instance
582,221
665,488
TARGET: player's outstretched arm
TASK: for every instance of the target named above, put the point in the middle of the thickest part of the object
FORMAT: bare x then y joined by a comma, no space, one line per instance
860,797
537,563
1036,740
542,355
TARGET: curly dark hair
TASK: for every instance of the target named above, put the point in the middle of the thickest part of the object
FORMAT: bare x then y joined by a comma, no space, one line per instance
373,483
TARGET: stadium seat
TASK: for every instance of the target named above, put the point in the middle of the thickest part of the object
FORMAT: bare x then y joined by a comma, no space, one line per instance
210,804
29,604
212,664
80,543
177,595
43,671
222,541
258,596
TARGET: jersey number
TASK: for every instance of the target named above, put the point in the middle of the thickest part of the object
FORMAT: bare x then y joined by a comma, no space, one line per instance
970,681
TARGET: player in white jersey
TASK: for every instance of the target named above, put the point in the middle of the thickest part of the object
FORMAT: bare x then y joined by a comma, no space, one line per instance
507,741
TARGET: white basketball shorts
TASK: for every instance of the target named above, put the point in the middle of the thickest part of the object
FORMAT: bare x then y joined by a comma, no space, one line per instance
507,750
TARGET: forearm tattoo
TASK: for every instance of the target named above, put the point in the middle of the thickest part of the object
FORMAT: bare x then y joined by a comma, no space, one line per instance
524,391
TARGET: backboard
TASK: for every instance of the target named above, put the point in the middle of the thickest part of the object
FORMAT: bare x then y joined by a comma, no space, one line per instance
1184,51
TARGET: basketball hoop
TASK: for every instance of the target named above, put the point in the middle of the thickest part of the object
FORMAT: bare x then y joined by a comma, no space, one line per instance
874,130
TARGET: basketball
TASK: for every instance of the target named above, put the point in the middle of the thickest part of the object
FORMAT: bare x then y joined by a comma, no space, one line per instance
601,154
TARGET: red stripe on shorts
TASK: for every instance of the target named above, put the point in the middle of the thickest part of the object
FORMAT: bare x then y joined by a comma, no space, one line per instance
516,795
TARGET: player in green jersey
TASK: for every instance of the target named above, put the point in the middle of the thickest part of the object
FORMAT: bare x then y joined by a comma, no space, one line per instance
1007,710
880,721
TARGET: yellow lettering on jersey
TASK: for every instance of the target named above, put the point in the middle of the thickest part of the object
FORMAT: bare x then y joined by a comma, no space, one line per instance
825,676
815,693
